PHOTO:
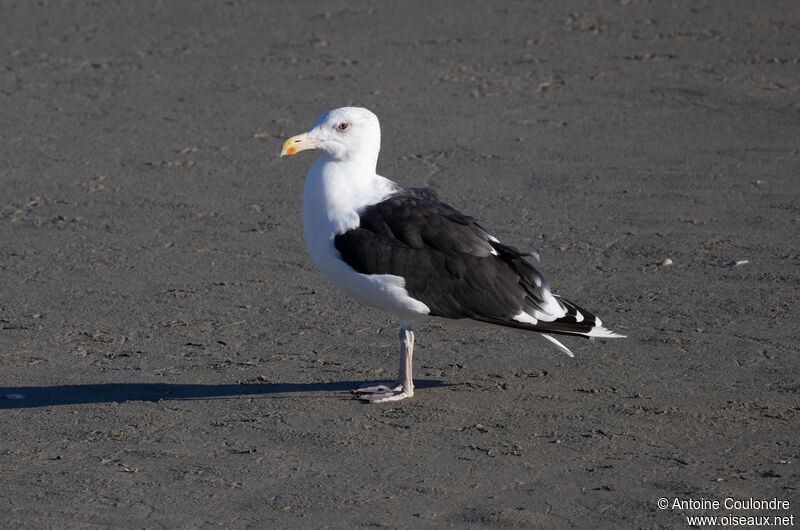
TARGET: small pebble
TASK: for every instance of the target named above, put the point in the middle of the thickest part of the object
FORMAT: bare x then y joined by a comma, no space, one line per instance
666,262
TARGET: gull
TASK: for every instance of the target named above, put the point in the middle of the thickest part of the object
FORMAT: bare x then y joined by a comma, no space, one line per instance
403,250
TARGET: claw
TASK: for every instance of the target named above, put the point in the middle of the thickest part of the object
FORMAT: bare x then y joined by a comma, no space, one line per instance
403,386
383,393
375,389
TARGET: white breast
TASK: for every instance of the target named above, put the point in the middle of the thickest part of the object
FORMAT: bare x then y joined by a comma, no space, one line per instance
333,194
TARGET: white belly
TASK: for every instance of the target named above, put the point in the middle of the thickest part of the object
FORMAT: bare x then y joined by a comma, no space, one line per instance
384,291
321,221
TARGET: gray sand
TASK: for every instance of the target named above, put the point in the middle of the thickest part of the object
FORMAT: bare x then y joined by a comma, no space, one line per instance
184,364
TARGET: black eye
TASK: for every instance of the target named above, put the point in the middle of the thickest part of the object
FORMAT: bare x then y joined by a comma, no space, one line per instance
343,126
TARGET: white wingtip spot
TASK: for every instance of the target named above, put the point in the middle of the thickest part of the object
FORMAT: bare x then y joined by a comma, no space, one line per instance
525,318
604,333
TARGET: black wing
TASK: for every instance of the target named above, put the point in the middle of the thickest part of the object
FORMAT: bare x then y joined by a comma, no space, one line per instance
449,262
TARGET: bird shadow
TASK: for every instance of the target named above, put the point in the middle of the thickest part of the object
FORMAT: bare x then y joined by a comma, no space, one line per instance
22,397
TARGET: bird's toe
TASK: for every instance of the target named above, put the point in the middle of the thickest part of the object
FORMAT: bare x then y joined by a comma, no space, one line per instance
379,388
387,395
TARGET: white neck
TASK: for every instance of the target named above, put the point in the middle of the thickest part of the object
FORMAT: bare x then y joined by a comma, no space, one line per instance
336,189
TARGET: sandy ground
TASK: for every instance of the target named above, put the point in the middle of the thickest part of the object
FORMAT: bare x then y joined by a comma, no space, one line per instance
183,363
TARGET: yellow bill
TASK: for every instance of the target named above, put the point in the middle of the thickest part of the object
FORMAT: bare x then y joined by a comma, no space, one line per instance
298,143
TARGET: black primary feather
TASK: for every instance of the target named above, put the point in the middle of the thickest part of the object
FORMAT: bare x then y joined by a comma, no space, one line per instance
451,264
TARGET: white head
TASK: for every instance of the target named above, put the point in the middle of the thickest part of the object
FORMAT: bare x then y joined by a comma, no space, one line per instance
346,134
